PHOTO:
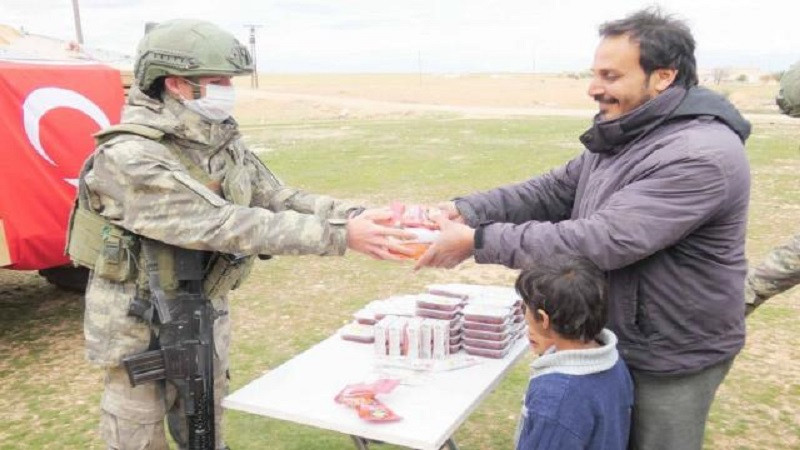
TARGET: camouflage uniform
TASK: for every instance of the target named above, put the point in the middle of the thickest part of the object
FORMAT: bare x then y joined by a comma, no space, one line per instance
139,185
781,269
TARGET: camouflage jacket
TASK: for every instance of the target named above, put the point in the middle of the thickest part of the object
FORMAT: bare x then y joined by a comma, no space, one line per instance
779,272
140,185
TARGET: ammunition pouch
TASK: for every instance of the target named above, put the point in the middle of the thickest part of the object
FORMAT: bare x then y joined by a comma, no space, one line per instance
97,244
225,273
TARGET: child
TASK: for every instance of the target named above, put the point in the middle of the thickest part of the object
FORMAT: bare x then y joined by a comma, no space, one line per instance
580,394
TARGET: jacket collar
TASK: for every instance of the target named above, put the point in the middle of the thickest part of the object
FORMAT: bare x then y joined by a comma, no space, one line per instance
178,122
610,136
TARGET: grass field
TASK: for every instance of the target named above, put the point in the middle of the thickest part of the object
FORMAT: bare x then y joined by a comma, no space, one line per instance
49,396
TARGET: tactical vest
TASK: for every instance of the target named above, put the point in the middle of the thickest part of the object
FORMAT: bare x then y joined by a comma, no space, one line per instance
115,253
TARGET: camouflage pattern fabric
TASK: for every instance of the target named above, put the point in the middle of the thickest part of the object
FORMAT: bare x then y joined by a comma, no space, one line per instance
779,272
141,186
788,99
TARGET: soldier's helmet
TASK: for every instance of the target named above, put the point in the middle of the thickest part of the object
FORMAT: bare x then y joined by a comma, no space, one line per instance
788,99
188,48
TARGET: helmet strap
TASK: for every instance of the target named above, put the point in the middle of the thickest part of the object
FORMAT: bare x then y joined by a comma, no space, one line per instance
196,89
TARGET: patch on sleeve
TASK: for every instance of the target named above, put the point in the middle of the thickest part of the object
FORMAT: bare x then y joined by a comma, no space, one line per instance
199,189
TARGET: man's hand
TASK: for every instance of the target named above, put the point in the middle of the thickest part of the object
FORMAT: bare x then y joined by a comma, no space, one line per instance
450,211
455,244
366,235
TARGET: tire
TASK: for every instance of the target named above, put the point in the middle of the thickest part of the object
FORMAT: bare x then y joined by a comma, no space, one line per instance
67,277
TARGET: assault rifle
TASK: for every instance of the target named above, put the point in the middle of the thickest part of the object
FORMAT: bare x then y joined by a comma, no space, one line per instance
185,356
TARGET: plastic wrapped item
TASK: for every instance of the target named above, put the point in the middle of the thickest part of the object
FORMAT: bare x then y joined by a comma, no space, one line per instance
357,332
362,398
400,305
486,352
426,339
413,215
439,303
490,335
438,314
494,301
441,339
484,343
419,244
413,335
365,317
397,338
381,337
486,314
482,326
469,291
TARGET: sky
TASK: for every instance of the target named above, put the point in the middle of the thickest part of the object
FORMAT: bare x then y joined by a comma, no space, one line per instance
429,36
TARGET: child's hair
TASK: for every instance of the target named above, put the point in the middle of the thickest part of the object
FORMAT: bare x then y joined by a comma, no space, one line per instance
571,290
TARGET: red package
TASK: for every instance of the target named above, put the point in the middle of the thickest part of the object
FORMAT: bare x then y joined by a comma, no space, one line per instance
361,396
412,216
376,412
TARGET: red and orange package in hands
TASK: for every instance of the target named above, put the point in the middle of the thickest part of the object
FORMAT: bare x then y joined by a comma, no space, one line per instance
413,216
361,397
415,219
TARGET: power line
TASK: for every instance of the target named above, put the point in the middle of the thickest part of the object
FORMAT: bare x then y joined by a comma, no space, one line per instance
253,54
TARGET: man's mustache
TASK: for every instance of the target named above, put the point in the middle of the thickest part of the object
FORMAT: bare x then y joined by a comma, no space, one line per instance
604,100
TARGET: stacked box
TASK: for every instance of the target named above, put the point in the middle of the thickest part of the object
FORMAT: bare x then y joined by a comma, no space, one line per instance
412,338
443,308
489,330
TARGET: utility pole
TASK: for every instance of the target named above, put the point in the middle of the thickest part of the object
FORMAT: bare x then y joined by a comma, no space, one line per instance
77,14
253,53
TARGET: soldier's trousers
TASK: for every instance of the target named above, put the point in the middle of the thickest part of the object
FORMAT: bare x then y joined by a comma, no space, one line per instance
134,417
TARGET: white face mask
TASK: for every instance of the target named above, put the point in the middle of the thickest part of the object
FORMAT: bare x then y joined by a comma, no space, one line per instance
216,105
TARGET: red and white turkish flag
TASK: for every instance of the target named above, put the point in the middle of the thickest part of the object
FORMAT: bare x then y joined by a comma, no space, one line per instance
48,113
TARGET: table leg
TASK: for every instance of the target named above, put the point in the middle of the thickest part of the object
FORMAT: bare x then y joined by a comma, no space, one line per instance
450,444
361,443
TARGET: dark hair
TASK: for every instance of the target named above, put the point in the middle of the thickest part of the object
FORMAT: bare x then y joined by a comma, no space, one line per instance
571,290
664,43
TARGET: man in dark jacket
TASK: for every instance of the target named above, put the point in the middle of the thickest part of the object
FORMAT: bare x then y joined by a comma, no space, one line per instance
659,201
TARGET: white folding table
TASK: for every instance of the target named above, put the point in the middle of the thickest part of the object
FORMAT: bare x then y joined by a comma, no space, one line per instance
432,404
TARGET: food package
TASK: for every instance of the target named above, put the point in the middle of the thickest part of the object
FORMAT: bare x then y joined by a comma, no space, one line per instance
491,335
441,338
413,216
438,314
357,332
419,244
439,303
413,333
493,327
381,335
484,343
486,314
397,337
486,352
362,398
426,339
365,317
469,291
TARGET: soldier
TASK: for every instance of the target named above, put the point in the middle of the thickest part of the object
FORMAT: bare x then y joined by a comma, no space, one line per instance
175,179
781,268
